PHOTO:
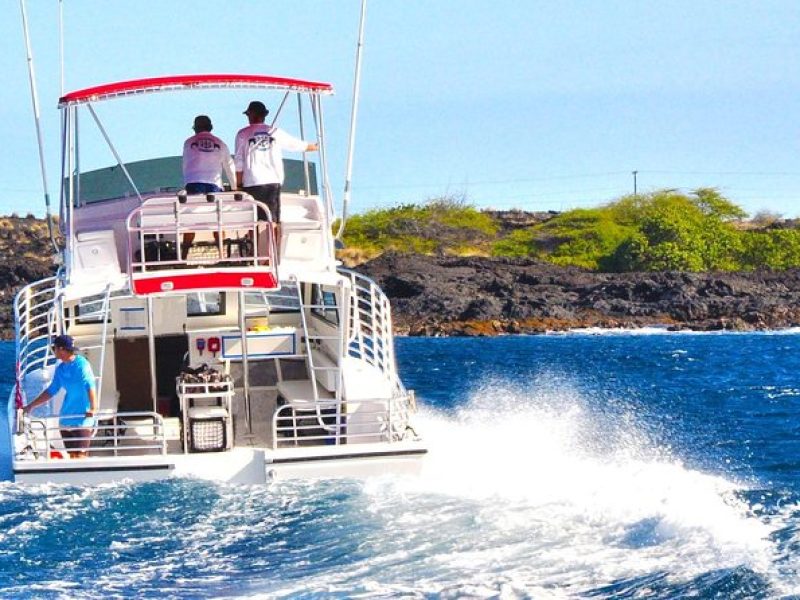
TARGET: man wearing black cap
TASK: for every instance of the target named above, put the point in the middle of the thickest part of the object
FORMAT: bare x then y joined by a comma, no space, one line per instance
259,160
74,375
205,156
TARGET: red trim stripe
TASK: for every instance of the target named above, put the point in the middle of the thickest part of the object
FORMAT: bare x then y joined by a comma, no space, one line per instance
162,283
154,84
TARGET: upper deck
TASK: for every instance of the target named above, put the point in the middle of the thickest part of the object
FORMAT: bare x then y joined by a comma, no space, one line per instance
135,233
142,245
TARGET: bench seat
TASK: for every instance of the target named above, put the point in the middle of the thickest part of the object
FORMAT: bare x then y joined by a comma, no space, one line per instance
300,392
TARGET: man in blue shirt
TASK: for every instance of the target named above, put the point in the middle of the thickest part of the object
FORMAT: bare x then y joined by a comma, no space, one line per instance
74,375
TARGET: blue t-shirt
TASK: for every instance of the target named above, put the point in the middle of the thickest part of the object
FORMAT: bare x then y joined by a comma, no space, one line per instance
77,379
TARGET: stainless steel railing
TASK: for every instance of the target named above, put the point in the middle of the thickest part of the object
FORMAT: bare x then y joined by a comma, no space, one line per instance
370,327
113,434
162,222
297,423
35,321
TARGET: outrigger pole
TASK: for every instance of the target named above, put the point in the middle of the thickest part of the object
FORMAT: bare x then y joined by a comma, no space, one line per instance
37,119
353,115
61,44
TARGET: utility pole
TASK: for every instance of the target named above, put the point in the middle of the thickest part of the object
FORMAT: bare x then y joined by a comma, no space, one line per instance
635,191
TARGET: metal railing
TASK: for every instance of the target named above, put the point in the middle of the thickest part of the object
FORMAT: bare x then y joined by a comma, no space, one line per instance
370,327
36,321
316,421
330,422
128,433
157,228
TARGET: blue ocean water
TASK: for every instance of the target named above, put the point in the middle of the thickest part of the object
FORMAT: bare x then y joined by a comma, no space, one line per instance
564,466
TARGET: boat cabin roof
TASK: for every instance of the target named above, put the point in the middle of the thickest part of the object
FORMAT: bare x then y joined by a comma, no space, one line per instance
179,82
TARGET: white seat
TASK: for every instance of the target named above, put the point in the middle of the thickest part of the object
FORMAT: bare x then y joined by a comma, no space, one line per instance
208,412
299,396
298,392
96,258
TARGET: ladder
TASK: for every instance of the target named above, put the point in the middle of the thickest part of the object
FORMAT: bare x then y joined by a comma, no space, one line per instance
103,314
314,341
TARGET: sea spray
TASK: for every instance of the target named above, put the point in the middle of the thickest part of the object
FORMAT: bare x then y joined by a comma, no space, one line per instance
657,486
572,491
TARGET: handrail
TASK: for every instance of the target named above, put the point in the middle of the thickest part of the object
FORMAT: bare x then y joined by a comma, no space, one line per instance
319,420
303,423
371,338
33,322
312,368
173,213
109,434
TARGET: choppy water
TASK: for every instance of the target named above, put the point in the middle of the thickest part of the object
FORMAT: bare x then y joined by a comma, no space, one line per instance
579,466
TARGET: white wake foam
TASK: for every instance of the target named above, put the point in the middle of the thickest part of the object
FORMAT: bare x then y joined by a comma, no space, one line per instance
567,494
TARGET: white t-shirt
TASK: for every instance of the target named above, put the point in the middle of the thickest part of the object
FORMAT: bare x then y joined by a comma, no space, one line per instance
204,158
258,153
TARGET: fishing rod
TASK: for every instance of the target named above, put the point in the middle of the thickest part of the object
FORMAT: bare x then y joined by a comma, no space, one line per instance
353,115
37,120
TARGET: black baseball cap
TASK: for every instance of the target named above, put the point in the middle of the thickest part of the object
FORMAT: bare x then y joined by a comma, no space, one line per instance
202,123
64,341
257,108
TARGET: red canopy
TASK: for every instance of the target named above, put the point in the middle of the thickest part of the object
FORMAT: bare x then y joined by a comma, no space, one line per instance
178,82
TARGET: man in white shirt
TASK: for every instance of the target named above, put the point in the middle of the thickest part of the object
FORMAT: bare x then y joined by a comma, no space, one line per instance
259,160
205,156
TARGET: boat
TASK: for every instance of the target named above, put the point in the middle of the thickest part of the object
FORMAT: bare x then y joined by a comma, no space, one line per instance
243,358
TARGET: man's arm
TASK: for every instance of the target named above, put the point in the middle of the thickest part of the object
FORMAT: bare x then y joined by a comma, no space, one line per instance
89,382
291,143
93,404
40,399
50,391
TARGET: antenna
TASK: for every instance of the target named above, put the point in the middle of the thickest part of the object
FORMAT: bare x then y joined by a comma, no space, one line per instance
353,115
37,119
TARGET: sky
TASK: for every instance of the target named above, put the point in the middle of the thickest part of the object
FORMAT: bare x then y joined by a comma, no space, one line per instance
536,105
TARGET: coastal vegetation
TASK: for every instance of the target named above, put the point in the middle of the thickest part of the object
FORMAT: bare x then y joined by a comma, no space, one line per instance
665,230
451,269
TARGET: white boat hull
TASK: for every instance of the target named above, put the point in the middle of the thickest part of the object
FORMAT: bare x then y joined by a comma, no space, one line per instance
250,466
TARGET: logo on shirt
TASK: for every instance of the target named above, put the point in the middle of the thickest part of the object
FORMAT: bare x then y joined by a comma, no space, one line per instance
260,142
205,145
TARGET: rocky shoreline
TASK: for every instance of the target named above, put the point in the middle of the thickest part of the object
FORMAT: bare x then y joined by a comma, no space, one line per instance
477,296
474,296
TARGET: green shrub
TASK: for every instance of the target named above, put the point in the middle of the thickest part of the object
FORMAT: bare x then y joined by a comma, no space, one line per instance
677,232
440,225
662,230
582,237
773,249
519,243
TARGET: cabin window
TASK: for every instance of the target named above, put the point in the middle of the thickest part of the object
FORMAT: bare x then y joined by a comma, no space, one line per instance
283,300
324,304
90,310
205,304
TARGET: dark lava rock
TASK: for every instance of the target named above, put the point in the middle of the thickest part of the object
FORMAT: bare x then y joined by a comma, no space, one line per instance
451,295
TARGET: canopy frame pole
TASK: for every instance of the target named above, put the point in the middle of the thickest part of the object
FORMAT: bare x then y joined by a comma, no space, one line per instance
280,108
114,151
306,173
